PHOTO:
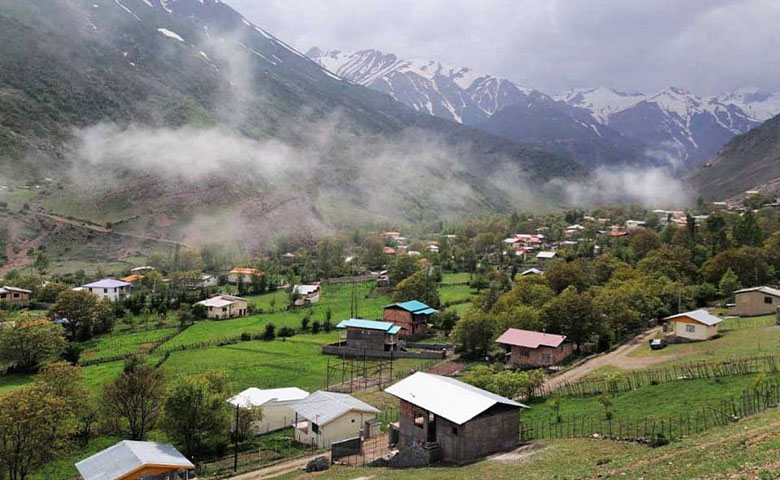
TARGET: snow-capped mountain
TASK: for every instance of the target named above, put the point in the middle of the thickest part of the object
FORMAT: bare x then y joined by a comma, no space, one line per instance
756,103
679,125
497,105
595,125
455,93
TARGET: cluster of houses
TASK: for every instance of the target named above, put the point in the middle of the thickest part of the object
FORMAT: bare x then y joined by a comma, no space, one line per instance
401,326
402,245
441,417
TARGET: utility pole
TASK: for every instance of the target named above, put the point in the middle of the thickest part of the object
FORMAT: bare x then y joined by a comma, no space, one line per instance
235,442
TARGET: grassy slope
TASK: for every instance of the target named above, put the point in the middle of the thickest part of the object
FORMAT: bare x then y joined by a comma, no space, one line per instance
740,338
743,450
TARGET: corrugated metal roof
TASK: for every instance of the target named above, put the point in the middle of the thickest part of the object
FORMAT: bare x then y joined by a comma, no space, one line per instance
701,316
446,397
127,456
546,254
255,397
530,339
220,301
768,290
368,324
323,407
107,283
413,306
14,289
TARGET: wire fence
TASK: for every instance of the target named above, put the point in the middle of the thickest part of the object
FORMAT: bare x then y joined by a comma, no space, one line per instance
632,380
655,430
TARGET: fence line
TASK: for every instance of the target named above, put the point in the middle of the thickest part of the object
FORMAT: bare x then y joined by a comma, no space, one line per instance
640,378
658,430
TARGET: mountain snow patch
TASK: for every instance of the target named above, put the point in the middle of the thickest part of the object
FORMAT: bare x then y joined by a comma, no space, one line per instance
170,34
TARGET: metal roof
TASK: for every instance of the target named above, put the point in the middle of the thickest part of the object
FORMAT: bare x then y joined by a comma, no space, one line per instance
220,301
323,407
531,271
530,339
388,327
14,289
413,306
255,397
701,316
128,456
546,254
768,290
446,397
305,289
107,283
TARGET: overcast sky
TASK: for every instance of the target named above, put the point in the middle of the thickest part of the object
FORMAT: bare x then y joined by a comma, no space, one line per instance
707,46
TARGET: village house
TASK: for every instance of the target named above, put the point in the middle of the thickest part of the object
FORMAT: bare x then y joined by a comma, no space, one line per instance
306,294
275,404
224,306
109,289
692,326
452,420
634,224
323,418
243,275
543,257
530,271
207,280
132,278
383,279
369,335
141,270
131,460
388,251
529,349
750,302
14,295
413,317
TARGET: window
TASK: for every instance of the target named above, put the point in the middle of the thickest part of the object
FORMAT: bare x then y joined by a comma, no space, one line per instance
105,290
455,431
315,428
690,328
353,420
419,419
768,300
524,352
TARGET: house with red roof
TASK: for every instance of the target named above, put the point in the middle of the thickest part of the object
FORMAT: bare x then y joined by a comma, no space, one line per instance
529,349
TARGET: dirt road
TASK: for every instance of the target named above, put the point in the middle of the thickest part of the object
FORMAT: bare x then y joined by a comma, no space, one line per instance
616,358
278,469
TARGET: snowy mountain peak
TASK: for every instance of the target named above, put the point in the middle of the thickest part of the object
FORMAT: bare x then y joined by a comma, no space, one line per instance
602,102
757,103
456,93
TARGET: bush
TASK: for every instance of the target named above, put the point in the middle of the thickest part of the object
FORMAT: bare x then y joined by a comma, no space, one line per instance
286,332
270,332
245,337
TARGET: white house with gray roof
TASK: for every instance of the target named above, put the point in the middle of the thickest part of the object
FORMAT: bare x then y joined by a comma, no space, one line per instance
327,417
695,325
109,289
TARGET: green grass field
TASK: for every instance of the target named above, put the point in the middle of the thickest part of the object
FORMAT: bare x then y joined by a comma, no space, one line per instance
739,338
455,278
111,345
667,399
451,293
295,361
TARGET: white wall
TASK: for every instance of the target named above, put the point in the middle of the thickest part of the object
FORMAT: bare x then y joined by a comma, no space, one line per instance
345,427
701,332
111,294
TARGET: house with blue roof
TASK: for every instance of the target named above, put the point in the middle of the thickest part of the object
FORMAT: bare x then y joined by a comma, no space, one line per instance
412,317
369,335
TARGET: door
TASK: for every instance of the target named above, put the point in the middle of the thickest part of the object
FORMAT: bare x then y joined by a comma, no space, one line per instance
431,437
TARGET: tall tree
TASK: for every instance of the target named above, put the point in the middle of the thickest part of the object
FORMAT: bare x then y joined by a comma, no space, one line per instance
27,343
417,287
746,231
33,429
134,399
196,412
